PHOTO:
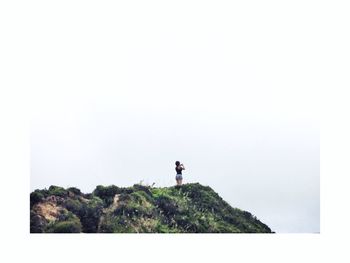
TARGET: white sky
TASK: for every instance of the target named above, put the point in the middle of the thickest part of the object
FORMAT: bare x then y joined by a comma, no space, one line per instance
124,92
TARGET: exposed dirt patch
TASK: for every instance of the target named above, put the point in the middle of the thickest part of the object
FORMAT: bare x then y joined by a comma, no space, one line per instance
114,205
115,201
49,210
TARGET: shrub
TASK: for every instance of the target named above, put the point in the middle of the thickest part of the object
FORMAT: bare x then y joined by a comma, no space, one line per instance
107,193
142,197
74,190
116,224
139,187
37,223
67,215
87,196
58,191
165,228
90,213
73,205
67,223
135,204
71,226
167,205
35,197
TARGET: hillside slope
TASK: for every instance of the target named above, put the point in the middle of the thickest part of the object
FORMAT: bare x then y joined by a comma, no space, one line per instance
190,208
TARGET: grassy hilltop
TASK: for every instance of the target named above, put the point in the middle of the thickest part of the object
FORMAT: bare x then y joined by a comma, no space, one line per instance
190,208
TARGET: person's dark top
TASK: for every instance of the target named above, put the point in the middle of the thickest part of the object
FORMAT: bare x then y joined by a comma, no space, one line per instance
178,170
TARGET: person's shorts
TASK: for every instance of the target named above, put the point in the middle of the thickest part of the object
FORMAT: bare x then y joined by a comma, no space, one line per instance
178,177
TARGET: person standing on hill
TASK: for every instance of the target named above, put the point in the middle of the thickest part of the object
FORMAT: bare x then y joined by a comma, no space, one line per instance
179,167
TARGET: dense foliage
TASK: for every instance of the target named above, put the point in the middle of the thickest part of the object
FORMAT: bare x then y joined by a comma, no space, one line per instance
190,208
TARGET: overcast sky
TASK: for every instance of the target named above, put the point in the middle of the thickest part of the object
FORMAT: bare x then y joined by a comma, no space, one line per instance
225,91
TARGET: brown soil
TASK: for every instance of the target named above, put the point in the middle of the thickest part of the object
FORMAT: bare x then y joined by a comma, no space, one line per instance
49,210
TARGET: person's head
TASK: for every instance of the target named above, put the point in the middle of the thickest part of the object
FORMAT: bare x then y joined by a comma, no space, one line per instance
177,163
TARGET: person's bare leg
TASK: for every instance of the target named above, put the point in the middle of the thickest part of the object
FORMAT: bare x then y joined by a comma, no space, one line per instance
180,182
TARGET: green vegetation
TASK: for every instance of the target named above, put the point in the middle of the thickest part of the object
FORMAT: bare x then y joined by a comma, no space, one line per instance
106,193
67,222
190,208
57,191
36,197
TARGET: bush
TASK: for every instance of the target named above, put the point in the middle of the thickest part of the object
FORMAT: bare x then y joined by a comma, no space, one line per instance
87,196
73,205
58,191
136,204
107,193
139,187
71,226
119,224
37,223
167,205
35,197
165,228
142,197
204,197
90,213
66,215
74,190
